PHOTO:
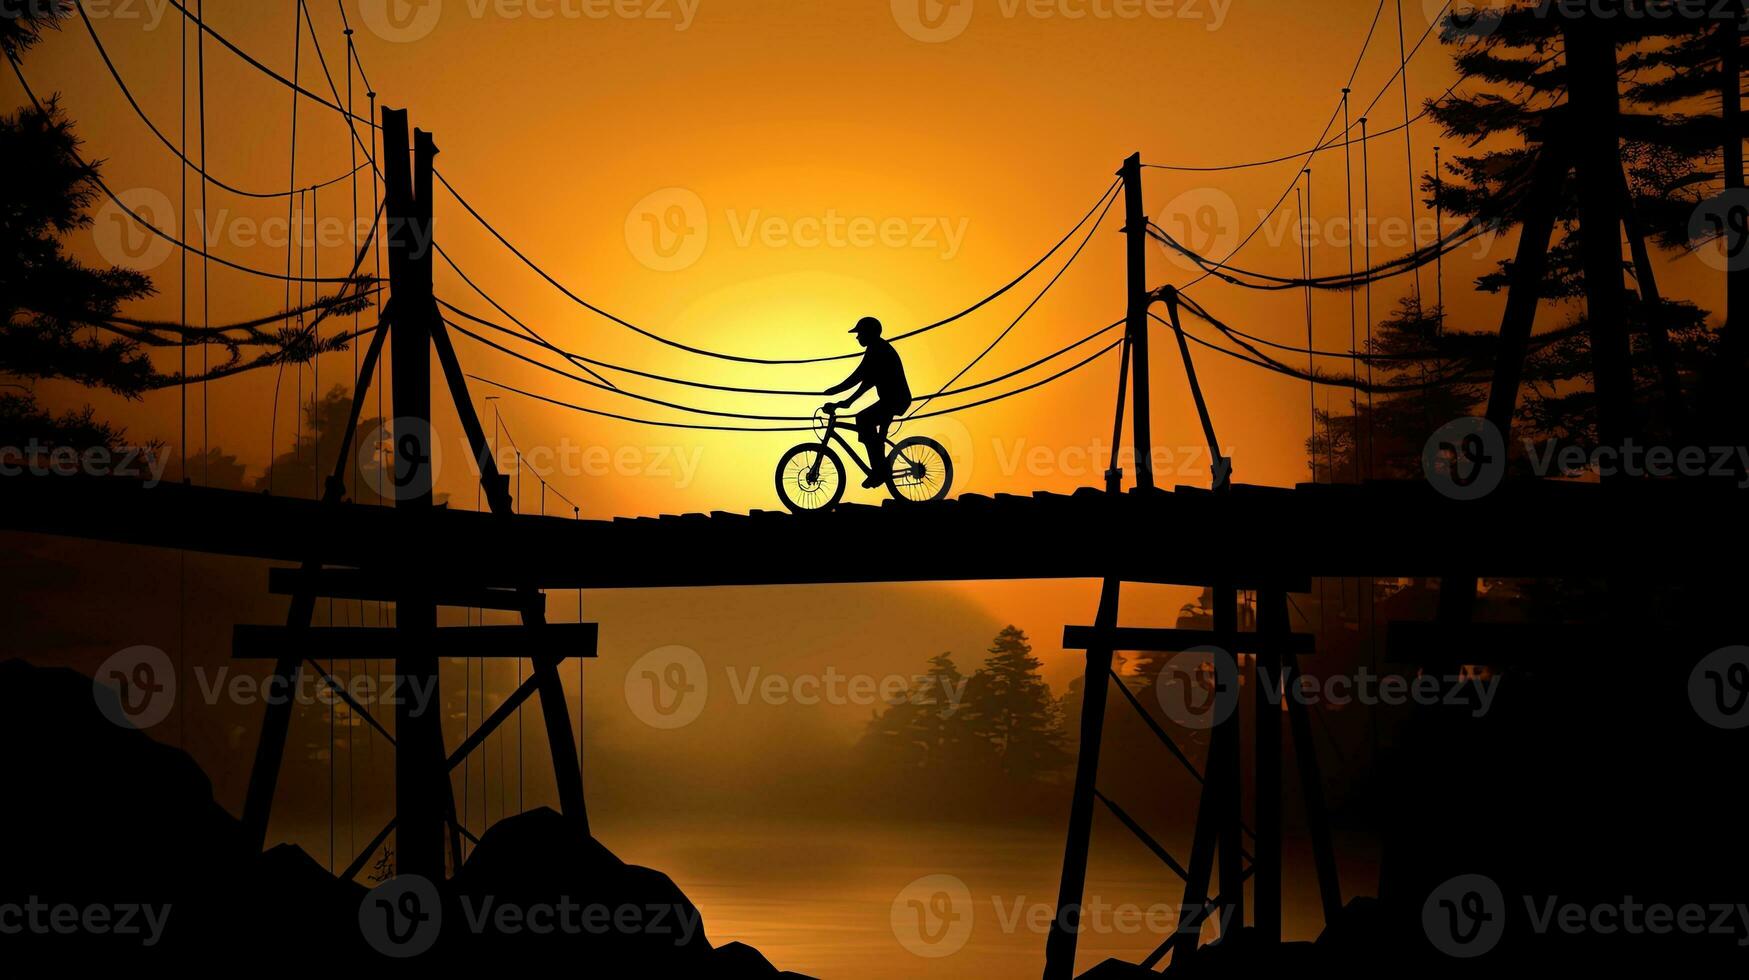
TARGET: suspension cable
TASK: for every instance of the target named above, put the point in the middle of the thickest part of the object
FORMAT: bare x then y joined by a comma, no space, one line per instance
759,360
181,154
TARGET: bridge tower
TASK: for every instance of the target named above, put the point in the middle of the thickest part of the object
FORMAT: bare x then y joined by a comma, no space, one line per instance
1273,654
425,800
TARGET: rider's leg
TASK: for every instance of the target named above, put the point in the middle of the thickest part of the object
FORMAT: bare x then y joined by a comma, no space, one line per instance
871,426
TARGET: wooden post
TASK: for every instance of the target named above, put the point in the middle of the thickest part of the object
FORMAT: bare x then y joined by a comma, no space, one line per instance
1066,924
1595,104
1230,787
1136,232
1312,788
420,781
1272,621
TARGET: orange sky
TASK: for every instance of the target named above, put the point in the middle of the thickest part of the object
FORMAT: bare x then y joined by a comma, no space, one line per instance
983,139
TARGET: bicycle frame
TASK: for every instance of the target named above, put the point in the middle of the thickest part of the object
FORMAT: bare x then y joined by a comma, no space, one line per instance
833,435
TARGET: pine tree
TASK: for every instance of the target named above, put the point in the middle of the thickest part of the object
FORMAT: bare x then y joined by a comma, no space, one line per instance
1011,709
926,727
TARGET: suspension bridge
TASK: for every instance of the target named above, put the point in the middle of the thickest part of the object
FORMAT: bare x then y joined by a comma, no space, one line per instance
1228,536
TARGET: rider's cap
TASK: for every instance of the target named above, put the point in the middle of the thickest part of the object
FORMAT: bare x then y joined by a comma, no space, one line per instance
867,324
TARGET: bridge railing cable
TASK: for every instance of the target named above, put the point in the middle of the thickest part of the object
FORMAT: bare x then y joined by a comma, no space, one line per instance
651,335
559,403
1320,144
561,372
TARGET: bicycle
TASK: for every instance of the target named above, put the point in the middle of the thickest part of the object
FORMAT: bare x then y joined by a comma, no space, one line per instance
810,477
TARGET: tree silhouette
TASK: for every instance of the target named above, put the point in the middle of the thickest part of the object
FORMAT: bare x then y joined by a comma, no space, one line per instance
304,469
63,318
1010,707
1518,56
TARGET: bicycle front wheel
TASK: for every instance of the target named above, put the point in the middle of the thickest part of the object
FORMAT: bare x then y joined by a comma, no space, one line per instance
919,470
810,478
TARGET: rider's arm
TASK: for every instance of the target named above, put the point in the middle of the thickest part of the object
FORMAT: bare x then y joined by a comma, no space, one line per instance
856,380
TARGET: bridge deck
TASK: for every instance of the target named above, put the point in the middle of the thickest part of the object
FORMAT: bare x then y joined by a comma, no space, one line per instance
1253,536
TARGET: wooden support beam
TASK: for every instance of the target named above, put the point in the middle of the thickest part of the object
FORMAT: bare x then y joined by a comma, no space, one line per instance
1065,931
1312,789
421,790
497,718
1227,742
276,720
1142,835
353,583
1272,619
1144,640
1136,316
358,642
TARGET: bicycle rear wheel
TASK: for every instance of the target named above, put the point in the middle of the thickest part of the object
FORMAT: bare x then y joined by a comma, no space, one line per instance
919,470
810,478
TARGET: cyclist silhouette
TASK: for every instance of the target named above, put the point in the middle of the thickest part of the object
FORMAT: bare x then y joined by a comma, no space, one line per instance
881,370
